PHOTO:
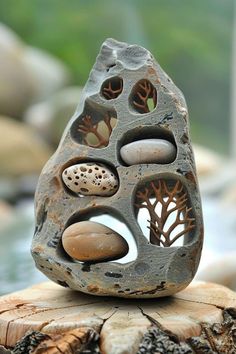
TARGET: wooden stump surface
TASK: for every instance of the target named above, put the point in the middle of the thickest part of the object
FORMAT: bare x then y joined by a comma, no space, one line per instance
64,321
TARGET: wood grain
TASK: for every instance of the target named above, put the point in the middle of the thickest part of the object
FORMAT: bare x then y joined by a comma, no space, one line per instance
120,323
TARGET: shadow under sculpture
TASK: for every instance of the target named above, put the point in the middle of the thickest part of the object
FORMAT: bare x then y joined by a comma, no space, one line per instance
126,151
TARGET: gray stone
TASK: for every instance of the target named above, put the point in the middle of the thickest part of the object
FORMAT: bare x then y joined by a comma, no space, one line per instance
148,151
128,97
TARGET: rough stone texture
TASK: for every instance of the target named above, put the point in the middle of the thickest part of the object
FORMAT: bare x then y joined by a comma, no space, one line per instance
126,84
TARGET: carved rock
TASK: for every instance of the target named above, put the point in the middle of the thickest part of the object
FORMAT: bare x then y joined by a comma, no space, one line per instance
127,98
89,241
148,151
90,179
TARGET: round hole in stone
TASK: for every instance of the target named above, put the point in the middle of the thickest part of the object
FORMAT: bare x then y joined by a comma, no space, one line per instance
143,97
112,88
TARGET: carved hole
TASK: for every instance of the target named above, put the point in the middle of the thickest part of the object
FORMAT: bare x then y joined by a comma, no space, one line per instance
164,212
112,88
141,133
110,66
94,126
143,98
113,222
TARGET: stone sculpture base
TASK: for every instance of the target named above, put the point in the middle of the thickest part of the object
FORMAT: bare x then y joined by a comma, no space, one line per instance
47,318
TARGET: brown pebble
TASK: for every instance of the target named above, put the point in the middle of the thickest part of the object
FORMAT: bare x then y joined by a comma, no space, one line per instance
89,241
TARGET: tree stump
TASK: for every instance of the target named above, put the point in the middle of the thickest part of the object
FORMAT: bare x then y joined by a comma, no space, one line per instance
49,319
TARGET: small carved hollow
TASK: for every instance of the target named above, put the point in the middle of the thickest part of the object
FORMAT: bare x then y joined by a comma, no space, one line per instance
171,215
115,223
112,88
94,135
94,127
143,97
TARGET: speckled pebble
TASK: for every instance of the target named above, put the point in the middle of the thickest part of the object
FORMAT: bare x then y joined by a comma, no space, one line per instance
90,179
148,151
89,241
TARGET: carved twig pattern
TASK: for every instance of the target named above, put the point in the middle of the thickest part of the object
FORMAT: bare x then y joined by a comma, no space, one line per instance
88,126
173,201
112,88
145,90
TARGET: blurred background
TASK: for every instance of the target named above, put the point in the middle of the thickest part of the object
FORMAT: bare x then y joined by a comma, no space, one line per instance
47,49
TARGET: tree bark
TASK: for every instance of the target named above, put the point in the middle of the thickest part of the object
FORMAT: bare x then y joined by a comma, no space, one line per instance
49,319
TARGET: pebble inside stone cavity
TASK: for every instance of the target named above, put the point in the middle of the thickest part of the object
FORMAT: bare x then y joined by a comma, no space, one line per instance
89,241
90,179
148,151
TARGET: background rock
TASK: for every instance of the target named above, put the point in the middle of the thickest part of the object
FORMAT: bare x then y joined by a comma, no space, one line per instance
48,73
51,116
221,271
27,74
22,152
208,162
6,214
16,85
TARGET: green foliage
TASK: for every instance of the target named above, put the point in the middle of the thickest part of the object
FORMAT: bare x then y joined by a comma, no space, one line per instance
190,38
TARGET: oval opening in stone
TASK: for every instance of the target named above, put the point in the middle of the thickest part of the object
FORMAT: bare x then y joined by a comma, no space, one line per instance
164,212
143,97
112,223
94,126
112,88
144,145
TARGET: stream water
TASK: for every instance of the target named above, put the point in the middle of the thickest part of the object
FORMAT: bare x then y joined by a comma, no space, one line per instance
17,269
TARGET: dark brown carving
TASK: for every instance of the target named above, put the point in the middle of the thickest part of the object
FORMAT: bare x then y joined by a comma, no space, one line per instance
144,97
173,201
112,88
99,139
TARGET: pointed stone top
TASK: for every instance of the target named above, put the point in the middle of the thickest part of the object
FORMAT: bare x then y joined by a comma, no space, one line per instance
132,57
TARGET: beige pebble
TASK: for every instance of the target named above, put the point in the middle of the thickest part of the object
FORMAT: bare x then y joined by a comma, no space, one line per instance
90,179
89,241
148,151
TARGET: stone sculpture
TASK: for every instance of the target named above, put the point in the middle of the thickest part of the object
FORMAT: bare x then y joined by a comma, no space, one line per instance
125,151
